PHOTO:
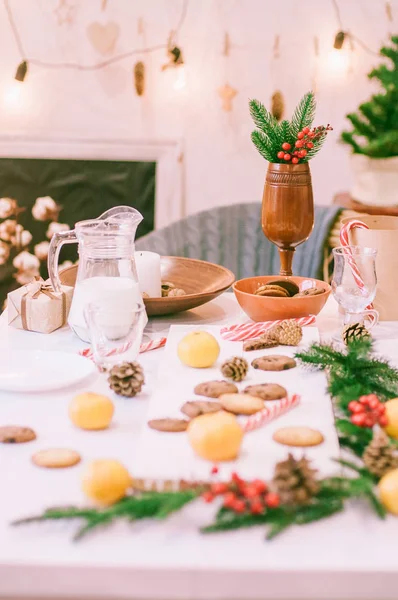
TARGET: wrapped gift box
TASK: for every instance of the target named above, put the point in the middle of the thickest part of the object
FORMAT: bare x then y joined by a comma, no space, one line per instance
37,307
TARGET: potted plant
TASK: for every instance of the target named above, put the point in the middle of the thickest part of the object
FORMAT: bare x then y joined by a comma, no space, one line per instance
374,137
288,205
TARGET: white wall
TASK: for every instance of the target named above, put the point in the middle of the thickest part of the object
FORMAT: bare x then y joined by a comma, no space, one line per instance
221,166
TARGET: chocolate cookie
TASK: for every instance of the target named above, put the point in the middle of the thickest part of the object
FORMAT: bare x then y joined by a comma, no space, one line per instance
264,341
214,389
274,362
241,404
266,391
194,408
310,292
169,425
298,436
272,290
12,434
291,287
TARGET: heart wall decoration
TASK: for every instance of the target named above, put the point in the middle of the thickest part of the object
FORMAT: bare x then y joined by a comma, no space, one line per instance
103,37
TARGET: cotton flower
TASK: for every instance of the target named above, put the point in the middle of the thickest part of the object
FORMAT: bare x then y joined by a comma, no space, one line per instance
66,264
7,230
8,207
25,261
45,209
41,250
24,277
56,228
25,238
4,252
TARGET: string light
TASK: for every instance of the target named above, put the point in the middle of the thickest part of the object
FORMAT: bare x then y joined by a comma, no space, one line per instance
342,34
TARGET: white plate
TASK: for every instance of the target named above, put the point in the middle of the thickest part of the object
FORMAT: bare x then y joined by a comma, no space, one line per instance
41,371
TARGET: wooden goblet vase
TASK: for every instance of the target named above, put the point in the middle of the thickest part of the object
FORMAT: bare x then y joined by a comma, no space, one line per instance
288,209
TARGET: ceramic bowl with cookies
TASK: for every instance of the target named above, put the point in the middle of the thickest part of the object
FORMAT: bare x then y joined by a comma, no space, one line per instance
272,297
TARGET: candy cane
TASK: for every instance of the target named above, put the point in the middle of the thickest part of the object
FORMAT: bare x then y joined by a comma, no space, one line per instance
345,242
146,347
270,413
248,330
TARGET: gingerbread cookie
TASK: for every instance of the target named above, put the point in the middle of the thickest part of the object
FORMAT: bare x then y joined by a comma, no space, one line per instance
274,362
56,458
298,436
168,425
214,389
12,434
194,408
266,391
241,404
260,343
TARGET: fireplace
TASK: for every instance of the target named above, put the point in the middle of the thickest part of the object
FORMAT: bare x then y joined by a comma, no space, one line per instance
86,178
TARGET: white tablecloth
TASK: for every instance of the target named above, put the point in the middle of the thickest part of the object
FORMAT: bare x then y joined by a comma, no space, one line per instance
352,555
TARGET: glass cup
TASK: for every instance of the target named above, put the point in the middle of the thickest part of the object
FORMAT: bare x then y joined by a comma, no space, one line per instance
115,333
354,285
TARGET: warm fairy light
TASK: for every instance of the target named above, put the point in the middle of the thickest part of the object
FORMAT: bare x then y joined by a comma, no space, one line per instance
180,78
338,62
13,95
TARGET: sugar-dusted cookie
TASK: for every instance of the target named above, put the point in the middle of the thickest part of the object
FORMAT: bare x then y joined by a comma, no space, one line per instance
194,408
274,362
298,436
56,458
266,391
241,404
169,425
13,434
214,389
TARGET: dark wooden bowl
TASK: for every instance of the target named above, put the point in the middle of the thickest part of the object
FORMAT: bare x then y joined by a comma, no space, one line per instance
202,281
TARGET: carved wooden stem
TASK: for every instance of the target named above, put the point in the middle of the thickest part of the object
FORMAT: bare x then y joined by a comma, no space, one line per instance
286,258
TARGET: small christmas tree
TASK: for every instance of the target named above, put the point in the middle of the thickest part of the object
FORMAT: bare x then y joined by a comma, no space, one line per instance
375,125
294,141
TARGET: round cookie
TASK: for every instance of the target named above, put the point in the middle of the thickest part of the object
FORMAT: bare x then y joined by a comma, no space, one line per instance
260,343
194,408
241,404
272,290
298,436
168,425
310,292
291,287
274,362
56,458
214,389
266,391
12,434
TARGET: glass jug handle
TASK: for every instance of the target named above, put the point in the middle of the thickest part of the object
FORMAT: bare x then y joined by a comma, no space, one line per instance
57,240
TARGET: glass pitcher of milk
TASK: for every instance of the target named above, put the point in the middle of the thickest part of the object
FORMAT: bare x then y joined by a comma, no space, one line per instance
106,274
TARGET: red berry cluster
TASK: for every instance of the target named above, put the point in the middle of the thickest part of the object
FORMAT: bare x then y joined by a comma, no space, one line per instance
368,411
304,142
243,496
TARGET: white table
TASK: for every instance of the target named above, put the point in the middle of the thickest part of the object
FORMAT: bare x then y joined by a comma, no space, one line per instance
349,556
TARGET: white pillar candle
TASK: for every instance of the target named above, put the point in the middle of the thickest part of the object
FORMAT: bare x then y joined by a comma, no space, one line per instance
148,271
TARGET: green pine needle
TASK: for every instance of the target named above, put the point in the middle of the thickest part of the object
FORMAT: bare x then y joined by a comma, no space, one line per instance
303,115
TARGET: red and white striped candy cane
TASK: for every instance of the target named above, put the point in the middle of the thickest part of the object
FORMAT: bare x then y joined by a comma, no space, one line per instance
145,347
248,330
345,242
270,413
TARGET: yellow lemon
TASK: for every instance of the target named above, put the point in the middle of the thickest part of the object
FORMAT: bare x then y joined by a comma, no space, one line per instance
105,481
198,349
215,436
388,490
91,411
392,416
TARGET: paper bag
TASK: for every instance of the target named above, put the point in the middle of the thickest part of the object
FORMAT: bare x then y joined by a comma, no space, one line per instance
383,235
36,307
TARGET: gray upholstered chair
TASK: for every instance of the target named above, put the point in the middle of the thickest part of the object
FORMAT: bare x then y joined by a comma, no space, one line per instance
231,236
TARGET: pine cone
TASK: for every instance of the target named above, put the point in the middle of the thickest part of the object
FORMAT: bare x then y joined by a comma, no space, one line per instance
379,456
126,379
295,481
355,331
288,333
235,368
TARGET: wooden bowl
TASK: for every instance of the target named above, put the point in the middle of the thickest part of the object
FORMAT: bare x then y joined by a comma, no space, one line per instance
202,281
267,308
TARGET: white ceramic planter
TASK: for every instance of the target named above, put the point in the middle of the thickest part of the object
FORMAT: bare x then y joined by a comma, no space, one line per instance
375,180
